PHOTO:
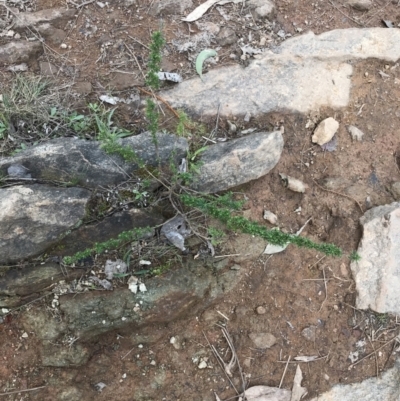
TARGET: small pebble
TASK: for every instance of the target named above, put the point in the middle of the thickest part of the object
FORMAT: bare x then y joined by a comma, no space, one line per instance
63,46
261,310
202,365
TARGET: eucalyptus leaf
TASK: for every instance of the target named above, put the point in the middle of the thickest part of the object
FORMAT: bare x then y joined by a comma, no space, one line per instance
203,56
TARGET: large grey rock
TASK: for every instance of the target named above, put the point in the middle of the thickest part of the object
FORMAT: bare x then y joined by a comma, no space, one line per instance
345,44
175,295
55,16
266,85
384,388
85,162
229,164
19,52
303,74
377,273
33,217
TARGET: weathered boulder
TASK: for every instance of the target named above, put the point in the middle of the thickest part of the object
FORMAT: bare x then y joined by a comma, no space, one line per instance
85,162
19,52
377,273
33,217
344,44
172,296
229,164
383,388
55,16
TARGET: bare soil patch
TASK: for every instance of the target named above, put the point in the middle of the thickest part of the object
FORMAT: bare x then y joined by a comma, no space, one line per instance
299,289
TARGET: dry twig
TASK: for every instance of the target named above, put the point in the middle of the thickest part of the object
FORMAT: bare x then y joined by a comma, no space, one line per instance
340,194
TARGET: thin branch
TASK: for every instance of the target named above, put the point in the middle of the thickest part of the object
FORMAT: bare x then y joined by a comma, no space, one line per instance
23,391
284,372
340,194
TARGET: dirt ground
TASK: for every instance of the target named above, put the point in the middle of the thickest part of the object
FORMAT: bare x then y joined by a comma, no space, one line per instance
297,289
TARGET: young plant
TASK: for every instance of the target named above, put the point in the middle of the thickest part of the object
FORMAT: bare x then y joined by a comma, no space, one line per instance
155,58
220,210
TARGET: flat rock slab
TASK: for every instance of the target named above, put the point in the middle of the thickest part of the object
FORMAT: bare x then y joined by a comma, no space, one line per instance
19,52
86,163
305,73
266,85
33,217
175,295
377,273
229,164
345,44
384,388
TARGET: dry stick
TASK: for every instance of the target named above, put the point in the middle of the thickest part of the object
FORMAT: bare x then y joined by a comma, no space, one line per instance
314,360
340,194
23,391
138,41
326,290
376,357
231,346
347,16
377,12
366,356
160,99
81,5
284,372
216,355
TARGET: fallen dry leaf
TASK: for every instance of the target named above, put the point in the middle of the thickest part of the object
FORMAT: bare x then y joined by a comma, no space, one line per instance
297,390
202,8
265,393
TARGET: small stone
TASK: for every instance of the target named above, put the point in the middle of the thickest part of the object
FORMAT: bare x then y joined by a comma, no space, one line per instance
360,5
153,363
247,117
270,217
263,41
261,310
226,36
263,340
309,333
343,270
396,190
235,267
356,134
325,131
63,46
24,335
263,8
241,310
175,343
202,365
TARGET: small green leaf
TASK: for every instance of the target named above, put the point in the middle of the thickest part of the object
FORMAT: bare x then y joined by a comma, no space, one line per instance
203,56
